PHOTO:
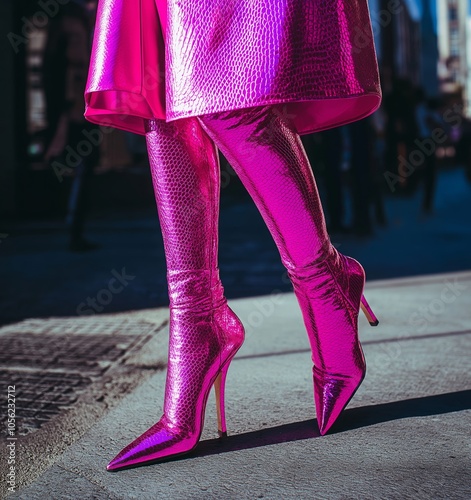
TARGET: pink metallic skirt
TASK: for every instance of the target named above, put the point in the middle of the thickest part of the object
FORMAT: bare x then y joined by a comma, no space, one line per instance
171,59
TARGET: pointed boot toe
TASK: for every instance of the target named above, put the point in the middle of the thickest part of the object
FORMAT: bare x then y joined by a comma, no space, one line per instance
332,393
154,444
204,333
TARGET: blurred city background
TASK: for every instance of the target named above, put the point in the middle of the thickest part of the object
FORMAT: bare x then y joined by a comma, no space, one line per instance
396,187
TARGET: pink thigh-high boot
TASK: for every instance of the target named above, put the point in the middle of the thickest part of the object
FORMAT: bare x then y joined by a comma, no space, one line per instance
204,332
267,154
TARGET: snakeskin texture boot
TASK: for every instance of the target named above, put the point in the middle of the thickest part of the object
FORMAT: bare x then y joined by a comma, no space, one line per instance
264,149
205,333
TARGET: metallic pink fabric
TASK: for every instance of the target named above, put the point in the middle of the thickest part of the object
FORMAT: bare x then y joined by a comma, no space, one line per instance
126,78
264,149
205,333
316,58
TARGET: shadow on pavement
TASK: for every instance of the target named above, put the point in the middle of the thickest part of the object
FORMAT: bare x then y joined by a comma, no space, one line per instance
354,418
417,407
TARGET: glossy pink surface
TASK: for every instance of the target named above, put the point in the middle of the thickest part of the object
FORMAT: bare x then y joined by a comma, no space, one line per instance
264,149
204,332
316,57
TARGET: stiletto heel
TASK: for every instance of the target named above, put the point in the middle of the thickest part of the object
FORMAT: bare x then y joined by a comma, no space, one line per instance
368,312
167,438
337,372
204,332
327,284
219,388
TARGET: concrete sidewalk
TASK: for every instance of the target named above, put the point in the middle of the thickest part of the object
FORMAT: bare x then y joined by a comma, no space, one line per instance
404,435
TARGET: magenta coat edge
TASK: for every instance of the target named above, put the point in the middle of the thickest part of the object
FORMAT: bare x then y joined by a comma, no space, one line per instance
123,95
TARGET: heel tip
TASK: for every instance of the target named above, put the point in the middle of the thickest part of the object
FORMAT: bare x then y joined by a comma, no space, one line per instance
374,323
222,435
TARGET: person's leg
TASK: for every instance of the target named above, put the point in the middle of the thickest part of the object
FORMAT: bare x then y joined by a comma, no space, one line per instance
430,178
79,200
204,332
266,152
